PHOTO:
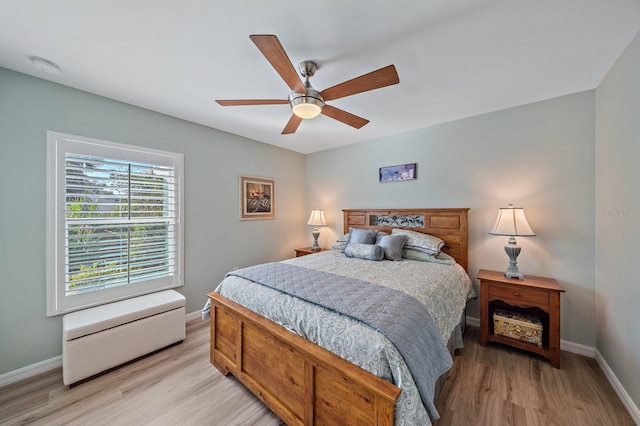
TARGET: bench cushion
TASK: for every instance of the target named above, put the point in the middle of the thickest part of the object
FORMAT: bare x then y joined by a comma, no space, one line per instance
99,318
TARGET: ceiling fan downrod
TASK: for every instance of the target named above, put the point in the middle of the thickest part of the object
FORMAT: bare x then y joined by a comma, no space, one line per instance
307,105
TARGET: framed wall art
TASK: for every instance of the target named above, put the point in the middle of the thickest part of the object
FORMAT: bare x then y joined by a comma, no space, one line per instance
398,173
257,198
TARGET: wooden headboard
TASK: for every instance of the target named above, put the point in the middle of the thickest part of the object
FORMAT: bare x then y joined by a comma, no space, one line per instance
450,225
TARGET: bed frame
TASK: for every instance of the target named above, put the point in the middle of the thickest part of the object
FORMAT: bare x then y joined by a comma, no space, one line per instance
299,381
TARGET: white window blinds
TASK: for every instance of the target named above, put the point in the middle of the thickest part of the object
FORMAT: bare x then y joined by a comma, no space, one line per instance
117,230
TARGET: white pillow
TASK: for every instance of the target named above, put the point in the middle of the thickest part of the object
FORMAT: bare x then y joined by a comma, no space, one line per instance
425,257
421,242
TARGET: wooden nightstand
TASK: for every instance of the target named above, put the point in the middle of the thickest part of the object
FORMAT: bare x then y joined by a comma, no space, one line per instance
307,250
537,295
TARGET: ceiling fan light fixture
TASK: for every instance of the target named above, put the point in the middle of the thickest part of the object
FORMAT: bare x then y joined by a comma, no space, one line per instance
306,106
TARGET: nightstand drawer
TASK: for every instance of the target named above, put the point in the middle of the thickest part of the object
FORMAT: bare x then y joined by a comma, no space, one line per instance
530,296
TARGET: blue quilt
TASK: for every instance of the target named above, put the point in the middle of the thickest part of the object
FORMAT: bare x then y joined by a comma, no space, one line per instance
401,318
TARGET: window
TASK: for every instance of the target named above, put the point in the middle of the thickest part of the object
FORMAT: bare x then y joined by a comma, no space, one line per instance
114,227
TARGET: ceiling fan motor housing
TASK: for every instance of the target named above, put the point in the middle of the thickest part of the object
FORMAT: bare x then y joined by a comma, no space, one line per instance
306,106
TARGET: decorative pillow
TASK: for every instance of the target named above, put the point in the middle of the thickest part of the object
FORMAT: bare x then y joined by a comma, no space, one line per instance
343,239
442,257
392,245
362,236
364,251
421,242
339,246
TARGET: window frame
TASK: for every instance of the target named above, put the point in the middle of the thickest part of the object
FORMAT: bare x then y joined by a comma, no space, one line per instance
58,144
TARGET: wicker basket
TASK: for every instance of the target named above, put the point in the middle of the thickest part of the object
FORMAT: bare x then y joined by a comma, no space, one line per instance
517,325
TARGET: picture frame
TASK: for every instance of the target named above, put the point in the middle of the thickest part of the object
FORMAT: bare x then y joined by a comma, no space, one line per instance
398,173
257,198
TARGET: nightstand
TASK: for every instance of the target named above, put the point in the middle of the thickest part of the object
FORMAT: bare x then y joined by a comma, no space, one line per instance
307,250
536,295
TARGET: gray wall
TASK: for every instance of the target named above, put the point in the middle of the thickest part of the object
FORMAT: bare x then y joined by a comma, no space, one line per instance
539,156
215,240
618,219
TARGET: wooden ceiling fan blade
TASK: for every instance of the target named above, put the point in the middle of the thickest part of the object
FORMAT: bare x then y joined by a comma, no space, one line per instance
271,48
292,125
382,77
344,116
240,102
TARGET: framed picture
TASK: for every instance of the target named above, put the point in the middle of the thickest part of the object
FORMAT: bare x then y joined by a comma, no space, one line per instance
398,173
257,198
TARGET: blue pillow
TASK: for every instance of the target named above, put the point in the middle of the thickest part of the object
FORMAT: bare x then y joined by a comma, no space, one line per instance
392,245
362,236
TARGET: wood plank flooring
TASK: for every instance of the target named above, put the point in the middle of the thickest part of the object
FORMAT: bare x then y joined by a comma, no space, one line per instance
494,385
499,385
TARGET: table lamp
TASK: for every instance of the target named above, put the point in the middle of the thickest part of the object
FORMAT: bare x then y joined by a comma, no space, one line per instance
512,222
316,219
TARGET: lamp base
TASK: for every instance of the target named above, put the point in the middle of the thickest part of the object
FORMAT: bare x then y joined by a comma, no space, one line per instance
513,272
315,246
513,250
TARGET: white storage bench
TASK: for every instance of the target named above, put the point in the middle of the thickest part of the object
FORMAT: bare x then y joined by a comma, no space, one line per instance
99,338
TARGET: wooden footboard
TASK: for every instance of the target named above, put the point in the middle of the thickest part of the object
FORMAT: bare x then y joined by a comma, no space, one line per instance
301,382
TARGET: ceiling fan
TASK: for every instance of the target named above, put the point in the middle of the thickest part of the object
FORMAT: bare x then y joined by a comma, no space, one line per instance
305,101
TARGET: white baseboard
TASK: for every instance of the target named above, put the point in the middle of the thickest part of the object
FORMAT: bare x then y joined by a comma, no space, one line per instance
55,362
192,316
30,370
577,348
473,322
631,407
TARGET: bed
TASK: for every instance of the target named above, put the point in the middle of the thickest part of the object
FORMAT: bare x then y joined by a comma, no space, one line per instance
312,365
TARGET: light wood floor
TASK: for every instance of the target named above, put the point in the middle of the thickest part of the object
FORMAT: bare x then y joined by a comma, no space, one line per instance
498,385
487,386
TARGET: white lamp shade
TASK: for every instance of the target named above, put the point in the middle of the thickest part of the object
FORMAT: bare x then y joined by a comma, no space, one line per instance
512,222
317,218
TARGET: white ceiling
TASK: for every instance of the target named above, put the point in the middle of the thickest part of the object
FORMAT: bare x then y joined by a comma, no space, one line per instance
455,58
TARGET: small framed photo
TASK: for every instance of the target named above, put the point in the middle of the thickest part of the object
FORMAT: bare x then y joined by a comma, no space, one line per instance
398,173
257,198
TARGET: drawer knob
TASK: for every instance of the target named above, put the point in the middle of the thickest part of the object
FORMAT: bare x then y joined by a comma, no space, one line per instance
517,294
